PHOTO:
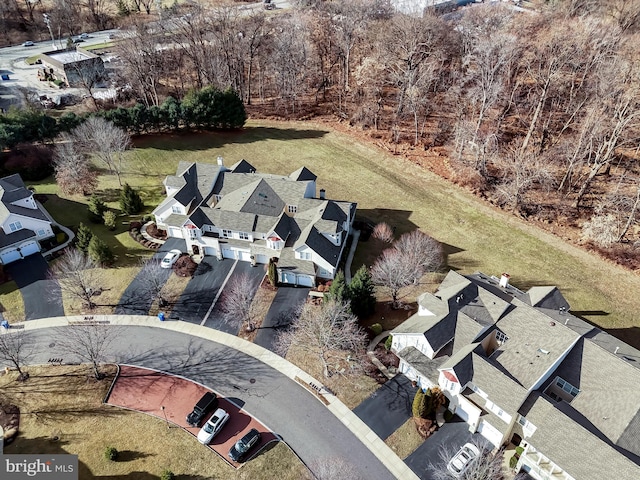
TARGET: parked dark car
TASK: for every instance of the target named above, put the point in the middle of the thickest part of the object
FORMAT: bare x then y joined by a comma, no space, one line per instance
242,446
206,404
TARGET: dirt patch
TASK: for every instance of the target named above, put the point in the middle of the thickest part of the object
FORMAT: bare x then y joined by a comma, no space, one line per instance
9,420
185,266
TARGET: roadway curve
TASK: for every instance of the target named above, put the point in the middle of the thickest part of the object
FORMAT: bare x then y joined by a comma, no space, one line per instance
311,429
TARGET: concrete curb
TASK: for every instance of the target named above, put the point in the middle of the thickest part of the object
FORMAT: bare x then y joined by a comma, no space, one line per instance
385,454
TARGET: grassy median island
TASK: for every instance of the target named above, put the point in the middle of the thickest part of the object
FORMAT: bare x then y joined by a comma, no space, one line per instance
62,412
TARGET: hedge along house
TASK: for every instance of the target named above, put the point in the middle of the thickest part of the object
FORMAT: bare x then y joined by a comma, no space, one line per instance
238,213
518,366
76,67
23,222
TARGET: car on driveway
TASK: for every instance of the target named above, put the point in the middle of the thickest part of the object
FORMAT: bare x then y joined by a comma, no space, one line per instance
463,459
28,43
242,446
213,426
170,258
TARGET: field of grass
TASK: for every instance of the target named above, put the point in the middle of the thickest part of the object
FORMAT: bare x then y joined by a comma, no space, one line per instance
387,188
62,412
405,440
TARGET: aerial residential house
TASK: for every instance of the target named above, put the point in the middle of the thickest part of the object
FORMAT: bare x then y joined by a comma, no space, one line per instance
23,221
238,213
519,367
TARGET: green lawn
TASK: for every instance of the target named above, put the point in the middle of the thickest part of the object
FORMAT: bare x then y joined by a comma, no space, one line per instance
386,188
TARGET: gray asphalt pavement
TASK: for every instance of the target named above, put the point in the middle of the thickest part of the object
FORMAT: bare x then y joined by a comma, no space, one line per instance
41,296
198,295
284,307
133,301
279,402
395,399
450,437
253,275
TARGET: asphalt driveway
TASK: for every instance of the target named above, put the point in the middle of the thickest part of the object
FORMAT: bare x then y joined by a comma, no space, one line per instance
450,437
41,296
282,311
215,319
389,407
132,301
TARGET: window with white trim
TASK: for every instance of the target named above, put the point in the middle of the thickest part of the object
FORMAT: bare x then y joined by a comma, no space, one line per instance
15,226
218,198
41,232
305,256
501,337
176,209
292,208
227,233
567,387
243,236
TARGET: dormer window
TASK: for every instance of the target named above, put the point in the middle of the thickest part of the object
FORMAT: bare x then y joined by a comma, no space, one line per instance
15,226
292,208
501,338
560,389
218,198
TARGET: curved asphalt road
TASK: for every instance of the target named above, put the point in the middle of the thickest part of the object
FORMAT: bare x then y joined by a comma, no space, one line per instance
311,430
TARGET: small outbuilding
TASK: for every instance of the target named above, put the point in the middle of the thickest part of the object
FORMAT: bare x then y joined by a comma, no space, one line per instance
75,67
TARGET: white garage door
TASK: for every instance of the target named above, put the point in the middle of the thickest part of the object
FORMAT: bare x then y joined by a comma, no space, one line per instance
262,259
175,232
29,248
244,256
305,281
209,251
228,253
10,255
288,277
491,433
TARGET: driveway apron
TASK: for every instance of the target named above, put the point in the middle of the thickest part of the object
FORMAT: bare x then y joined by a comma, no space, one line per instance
395,399
449,437
41,296
215,319
198,295
133,302
285,305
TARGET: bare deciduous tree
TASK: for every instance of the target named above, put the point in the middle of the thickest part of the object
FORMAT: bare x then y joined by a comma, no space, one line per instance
414,254
16,348
72,170
330,333
153,279
106,141
333,468
236,301
89,342
487,466
383,232
78,275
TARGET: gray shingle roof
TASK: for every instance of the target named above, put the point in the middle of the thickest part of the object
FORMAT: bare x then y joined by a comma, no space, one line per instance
15,237
303,173
424,365
242,167
13,189
579,452
288,262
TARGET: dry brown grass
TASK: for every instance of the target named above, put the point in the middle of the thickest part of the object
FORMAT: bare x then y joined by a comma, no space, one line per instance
350,389
405,439
66,402
259,308
171,293
11,304
114,281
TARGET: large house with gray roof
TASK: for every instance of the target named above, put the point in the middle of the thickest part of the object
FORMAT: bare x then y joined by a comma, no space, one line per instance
519,367
23,221
238,213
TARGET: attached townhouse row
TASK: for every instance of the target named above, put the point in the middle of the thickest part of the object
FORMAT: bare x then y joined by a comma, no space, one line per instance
238,213
23,221
519,367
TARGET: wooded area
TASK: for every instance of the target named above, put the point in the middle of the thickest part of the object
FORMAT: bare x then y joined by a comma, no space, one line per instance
536,111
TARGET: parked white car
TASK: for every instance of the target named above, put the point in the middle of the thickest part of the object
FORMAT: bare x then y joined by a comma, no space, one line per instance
170,258
213,426
463,459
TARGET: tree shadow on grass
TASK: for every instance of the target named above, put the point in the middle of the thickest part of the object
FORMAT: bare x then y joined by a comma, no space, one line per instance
205,140
130,455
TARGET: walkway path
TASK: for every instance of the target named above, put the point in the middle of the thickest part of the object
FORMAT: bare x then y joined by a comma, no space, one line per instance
269,386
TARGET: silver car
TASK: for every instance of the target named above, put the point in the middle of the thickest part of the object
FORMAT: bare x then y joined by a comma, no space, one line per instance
213,426
463,459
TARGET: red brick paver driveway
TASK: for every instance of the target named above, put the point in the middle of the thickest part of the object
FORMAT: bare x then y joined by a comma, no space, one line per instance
172,398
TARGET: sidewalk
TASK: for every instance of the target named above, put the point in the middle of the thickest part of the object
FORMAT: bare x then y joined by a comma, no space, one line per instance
394,464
